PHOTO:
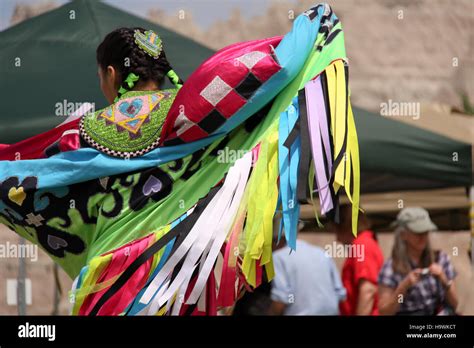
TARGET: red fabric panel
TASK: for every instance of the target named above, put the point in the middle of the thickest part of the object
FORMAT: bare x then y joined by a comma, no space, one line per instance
33,148
224,65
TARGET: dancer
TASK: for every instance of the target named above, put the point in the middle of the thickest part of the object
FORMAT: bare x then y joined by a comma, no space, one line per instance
142,209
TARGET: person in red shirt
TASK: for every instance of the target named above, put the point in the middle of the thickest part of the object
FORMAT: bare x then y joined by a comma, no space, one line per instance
364,259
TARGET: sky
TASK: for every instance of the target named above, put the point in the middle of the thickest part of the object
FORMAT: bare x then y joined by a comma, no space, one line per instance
205,12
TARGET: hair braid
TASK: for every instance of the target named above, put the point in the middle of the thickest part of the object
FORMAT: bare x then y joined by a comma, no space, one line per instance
120,50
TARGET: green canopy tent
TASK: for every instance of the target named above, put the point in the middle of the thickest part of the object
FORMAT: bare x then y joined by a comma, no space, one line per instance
50,59
396,156
57,56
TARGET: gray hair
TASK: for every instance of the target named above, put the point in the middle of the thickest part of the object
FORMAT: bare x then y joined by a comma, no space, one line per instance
400,258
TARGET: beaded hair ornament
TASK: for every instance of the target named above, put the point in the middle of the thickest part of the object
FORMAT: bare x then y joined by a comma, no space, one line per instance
149,42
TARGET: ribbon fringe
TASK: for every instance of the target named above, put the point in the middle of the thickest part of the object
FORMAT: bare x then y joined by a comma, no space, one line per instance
217,250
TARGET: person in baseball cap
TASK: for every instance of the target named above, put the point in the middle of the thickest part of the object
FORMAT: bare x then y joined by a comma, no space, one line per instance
416,273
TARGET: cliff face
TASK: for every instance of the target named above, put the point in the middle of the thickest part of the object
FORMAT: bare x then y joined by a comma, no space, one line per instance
407,51
399,50
25,11
413,51
403,50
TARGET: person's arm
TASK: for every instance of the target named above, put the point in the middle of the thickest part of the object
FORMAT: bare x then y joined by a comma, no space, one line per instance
339,289
365,301
389,297
365,278
448,284
277,308
281,291
451,296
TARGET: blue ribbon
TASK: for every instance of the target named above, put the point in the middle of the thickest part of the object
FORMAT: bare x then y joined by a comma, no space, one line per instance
288,160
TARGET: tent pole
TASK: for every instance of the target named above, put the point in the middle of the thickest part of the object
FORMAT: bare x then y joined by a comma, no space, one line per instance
21,280
57,290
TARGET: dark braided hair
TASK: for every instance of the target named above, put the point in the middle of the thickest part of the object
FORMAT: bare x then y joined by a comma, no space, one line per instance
119,45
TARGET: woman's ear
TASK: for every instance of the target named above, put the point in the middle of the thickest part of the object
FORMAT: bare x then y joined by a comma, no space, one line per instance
112,76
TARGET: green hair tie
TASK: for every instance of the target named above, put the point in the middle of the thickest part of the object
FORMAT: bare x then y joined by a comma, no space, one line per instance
130,81
122,90
174,77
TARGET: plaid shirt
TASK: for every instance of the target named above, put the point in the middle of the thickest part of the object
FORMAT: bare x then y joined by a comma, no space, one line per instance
426,295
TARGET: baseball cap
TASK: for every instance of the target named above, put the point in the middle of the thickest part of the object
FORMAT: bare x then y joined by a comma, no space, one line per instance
416,219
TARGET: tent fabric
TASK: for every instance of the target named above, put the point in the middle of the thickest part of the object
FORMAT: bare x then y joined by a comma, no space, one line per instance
398,156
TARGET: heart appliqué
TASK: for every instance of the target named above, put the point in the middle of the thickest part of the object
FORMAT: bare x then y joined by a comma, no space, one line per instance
152,185
17,195
131,109
56,242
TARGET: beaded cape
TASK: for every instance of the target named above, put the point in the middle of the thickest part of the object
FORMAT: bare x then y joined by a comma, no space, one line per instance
129,127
